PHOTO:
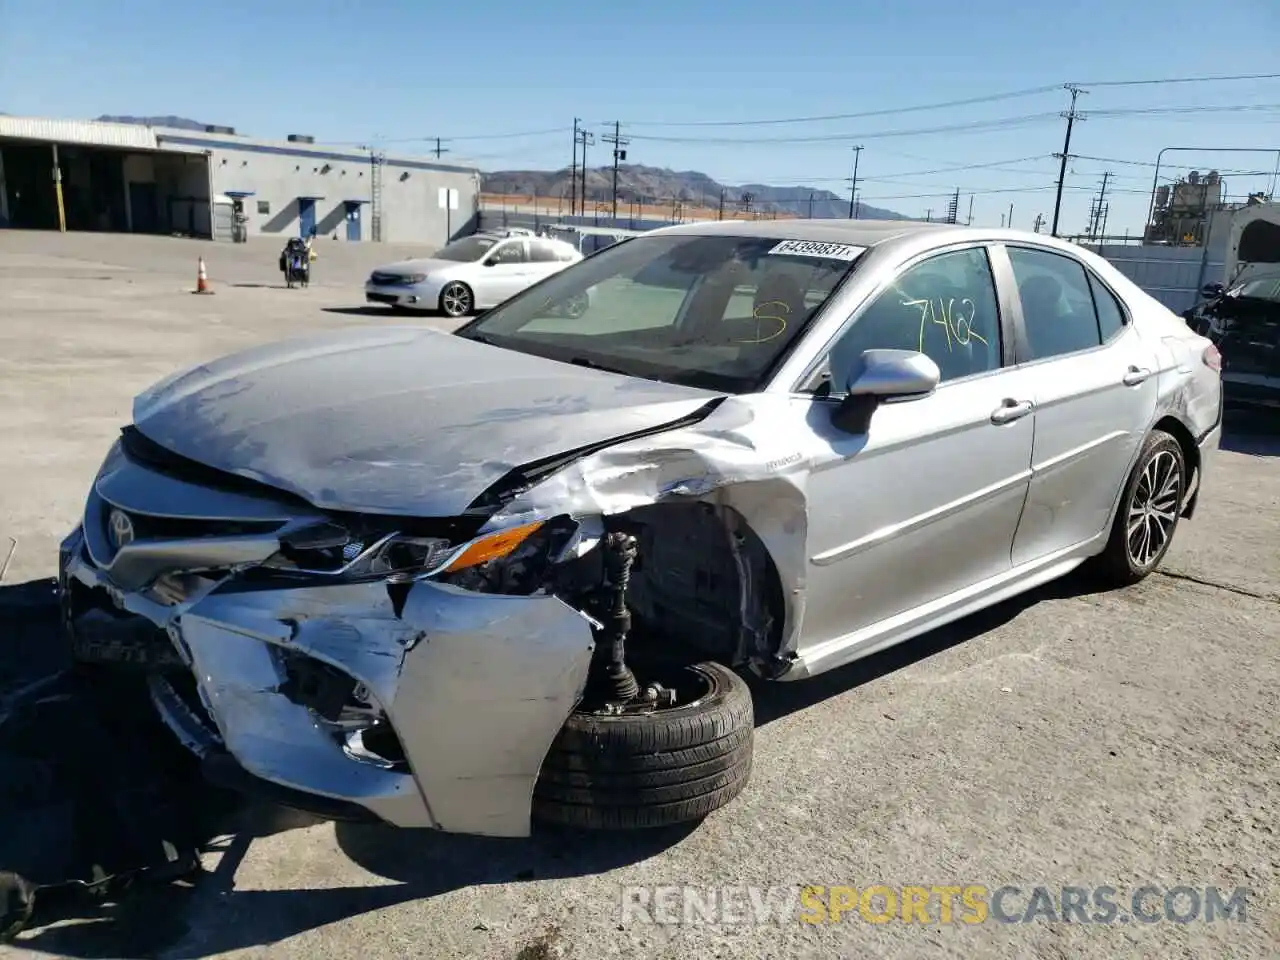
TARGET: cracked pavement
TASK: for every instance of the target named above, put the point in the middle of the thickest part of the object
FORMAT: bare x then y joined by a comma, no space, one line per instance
1065,738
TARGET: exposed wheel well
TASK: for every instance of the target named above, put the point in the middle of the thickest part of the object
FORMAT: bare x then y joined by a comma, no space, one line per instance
1190,450
705,580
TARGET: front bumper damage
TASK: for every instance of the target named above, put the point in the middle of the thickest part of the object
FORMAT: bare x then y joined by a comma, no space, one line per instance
469,689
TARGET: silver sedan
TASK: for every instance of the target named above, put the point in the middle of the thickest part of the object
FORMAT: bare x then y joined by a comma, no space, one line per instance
514,573
474,273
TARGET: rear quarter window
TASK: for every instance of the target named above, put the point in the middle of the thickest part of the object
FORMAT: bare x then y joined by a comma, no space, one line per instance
1111,316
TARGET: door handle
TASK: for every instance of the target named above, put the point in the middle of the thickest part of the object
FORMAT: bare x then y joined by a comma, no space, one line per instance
1011,410
1135,375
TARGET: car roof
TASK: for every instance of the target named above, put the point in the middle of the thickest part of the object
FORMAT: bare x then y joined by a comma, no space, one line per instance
514,234
870,233
861,233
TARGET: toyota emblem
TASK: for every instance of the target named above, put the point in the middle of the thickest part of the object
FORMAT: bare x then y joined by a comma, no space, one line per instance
120,529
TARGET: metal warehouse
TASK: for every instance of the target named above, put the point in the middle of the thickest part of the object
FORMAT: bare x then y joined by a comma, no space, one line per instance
216,184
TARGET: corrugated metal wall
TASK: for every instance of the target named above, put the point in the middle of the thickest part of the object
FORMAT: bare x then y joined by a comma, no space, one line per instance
87,132
501,219
1173,275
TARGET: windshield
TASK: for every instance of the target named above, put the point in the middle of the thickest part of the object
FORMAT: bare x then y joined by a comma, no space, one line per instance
1262,288
716,312
466,250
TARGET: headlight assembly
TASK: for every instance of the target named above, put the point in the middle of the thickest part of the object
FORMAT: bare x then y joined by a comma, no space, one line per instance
330,550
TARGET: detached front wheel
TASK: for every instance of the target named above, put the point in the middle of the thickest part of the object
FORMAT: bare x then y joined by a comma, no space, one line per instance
652,767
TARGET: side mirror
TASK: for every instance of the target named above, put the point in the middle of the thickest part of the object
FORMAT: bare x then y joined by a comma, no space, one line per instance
892,374
877,376
1212,289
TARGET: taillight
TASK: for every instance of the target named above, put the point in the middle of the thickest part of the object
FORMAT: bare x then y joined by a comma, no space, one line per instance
1212,358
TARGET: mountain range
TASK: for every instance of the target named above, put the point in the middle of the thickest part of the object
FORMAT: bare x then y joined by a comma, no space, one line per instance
640,184
637,183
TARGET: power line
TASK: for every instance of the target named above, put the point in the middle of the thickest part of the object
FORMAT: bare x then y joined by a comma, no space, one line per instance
918,108
884,112
551,131
991,165
974,126
1152,111
997,123
1164,80
948,104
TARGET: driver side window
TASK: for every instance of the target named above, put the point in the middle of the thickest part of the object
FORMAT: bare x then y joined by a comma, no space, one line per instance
944,307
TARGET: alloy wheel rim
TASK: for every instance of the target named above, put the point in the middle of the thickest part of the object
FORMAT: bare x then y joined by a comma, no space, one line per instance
456,300
1153,508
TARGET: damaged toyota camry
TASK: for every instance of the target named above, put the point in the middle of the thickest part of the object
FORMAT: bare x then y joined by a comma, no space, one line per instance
518,572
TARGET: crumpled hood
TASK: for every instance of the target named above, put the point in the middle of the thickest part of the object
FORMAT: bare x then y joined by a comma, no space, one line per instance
394,420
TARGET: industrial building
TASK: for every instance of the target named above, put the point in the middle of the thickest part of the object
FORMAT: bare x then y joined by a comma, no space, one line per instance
216,184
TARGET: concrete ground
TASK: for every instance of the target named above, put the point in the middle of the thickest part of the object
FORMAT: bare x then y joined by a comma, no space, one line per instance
1070,738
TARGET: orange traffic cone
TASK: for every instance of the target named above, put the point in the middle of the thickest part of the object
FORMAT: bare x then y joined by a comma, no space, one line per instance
202,279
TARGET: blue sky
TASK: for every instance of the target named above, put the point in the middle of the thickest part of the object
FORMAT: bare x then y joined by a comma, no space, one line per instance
478,74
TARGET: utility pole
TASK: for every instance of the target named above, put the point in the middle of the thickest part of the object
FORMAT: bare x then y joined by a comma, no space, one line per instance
811,206
1065,155
969,222
1039,222
618,154
953,207
720,216
853,184
1010,223
440,149
746,202
586,138
928,215
573,171
1102,196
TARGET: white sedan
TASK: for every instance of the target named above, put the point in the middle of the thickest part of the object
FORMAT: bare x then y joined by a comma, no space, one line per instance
475,273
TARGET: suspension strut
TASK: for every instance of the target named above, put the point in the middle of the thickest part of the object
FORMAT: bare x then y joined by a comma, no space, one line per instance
619,556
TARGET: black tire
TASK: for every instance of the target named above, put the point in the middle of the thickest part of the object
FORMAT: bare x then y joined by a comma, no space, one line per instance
636,771
1120,564
456,300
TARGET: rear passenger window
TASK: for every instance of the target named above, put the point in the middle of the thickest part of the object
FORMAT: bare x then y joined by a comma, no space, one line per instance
1110,316
542,252
1057,304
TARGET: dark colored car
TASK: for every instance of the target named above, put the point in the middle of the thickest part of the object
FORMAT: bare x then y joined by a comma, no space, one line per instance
1244,323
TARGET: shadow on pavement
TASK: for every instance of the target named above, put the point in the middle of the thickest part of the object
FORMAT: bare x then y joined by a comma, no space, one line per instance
1255,432
402,315
364,311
